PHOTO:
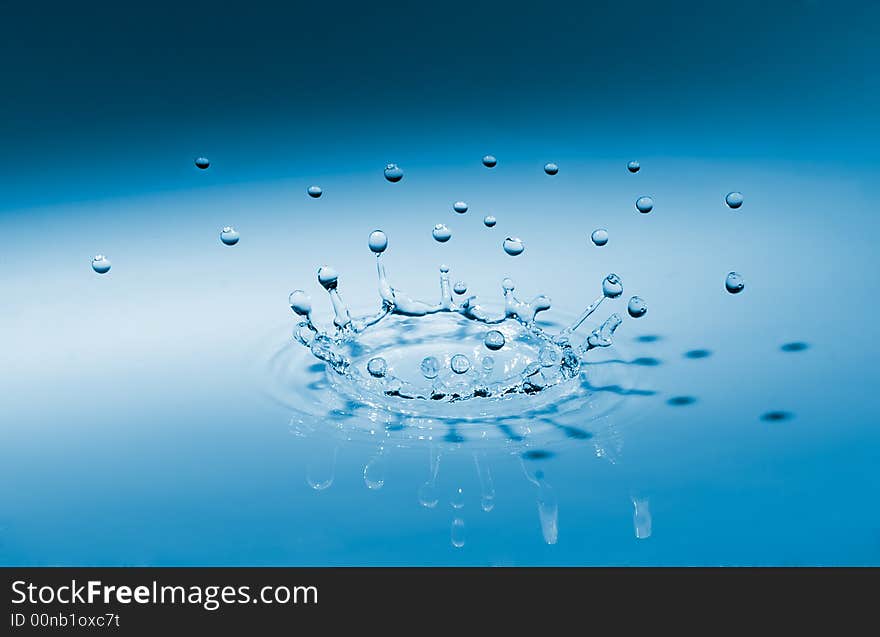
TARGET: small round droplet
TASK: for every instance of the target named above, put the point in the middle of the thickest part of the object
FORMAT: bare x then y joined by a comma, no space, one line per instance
599,237
489,221
494,340
507,284
460,287
489,161
460,207
377,367
315,191
488,363
513,246
444,268
393,173
378,241
460,364
327,277
633,166
734,283
442,233
612,287
300,302
229,236
202,162
101,264
550,168
734,200
430,367
644,205
637,307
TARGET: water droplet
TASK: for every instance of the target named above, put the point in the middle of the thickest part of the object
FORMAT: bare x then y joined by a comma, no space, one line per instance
507,284
612,287
229,236
444,268
599,236
457,500
327,277
460,364
374,471
644,205
202,162
488,363
430,367
300,302
460,207
315,191
378,241
377,367
101,264
513,246
637,307
734,283
633,166
550,168
458,533
489,161
734,199
393,173
460,287
494,340
489,221
442,233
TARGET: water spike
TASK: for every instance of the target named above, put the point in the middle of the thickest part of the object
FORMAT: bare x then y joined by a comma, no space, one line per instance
603,335
329,280
445,290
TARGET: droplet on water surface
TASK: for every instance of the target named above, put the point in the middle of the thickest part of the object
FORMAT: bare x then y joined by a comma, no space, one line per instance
734,283
315,191
637,307
460,207
599,237
229,236
393,173
101,264
494,340
489,221
513,246
441,233
489,161
734,200
550,168
644,205
633,166
378,241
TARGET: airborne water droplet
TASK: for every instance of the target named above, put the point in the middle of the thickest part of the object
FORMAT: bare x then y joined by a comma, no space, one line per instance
494,340
644,205
327,277
599,236
229,236
460,287
550,168
393,173
489,161
101,264
377,367
460,364
441,233
202,162
637,307
300,302
734,200
513,246
633,166
734,283
460,207
378,241
489,221
315,191
430,367
612,287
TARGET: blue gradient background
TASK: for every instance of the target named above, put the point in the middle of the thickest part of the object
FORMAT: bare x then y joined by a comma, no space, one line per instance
134,422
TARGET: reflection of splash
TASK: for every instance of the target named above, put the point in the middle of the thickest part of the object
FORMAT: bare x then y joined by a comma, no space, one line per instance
321,470
641,518
548,506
